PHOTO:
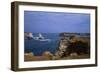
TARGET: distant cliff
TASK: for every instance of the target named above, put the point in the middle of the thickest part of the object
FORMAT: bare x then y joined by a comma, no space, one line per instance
28,35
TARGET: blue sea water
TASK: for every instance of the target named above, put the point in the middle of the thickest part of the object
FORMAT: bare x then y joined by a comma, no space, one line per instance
38,47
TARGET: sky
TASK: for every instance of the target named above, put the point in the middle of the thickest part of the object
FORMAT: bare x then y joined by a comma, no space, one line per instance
56,22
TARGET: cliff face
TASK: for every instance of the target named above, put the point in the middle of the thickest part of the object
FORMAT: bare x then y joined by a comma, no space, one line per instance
72,45
62,46
64,42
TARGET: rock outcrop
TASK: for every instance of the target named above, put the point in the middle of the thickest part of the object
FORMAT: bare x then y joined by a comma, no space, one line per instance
71,45
28,35
62,46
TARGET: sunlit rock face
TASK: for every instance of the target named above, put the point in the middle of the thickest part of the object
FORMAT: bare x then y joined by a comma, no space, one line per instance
63,44
64,40
28,35
29,54
48,55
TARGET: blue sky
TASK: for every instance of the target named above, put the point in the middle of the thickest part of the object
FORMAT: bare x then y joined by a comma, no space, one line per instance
56,22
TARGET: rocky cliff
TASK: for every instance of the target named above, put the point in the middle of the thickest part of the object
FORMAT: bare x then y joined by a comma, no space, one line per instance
70,45
28,35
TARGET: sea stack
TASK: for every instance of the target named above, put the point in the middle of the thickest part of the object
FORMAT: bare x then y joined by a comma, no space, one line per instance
28,35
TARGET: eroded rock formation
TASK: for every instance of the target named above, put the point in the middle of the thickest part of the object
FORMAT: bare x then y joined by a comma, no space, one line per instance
71,45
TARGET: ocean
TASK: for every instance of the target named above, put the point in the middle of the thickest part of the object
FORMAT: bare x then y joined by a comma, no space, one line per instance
38,47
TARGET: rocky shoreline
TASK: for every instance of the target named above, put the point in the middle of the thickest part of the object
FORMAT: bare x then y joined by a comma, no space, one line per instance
72,47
